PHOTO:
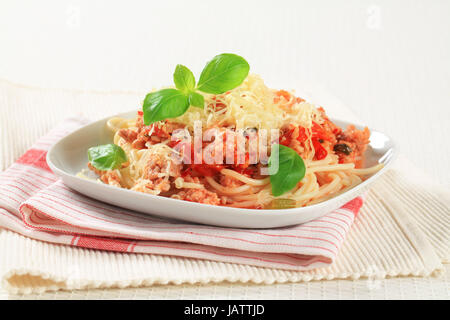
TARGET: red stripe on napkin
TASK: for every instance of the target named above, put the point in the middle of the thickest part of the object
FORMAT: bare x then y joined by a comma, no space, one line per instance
35,158
354,205
104,244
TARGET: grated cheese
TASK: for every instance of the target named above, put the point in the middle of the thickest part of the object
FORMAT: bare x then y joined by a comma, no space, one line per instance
251,105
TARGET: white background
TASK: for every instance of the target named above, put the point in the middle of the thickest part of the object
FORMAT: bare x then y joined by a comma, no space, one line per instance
389,61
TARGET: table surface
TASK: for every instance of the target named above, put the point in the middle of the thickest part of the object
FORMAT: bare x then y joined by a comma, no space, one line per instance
389,61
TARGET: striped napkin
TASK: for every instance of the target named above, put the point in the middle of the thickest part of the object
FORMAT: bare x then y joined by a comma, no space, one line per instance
35,203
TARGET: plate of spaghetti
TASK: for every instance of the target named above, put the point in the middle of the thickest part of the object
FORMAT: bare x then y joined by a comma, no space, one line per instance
227,151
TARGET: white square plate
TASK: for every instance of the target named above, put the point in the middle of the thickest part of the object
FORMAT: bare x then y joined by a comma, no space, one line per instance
69,156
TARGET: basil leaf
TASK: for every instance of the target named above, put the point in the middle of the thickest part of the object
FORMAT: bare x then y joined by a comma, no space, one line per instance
184,78
164,104
107,157
196,100
224,72
291,169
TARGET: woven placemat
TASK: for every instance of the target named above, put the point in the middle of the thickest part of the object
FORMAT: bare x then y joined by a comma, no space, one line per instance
402,229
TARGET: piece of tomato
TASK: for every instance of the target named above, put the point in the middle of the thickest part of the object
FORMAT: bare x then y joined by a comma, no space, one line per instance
320,151
302,136
320,133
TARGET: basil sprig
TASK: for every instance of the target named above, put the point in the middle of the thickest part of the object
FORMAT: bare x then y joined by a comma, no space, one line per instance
224,72
107,157
291,169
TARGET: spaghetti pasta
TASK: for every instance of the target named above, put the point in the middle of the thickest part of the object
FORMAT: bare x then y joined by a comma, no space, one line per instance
157,156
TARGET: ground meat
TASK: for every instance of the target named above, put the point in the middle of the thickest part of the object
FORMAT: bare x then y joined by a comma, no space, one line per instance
198,195
157,174
141,139
96,171
140,121
160,164
156,186
139,143
108,177
357,141
159,132
111,178
160,184
128,135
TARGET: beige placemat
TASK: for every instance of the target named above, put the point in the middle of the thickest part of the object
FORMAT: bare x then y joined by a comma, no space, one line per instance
402,229
371,288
